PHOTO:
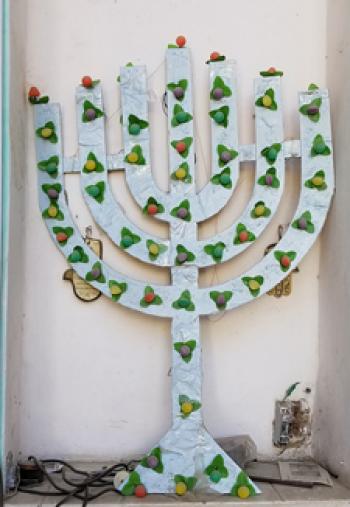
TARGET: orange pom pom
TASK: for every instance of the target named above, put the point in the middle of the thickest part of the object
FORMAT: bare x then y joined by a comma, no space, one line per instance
33,92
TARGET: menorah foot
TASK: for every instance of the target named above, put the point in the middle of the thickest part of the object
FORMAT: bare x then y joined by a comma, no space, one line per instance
189,459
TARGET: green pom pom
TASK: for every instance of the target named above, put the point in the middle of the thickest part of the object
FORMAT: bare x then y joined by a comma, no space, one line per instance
127,241
225,179
217,253
134,129
183,303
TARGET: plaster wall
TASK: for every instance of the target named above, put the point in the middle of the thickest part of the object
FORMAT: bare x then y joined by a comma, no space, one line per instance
332,414
94,378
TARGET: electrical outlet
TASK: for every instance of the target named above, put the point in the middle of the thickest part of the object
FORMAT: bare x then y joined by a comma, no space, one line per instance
292,425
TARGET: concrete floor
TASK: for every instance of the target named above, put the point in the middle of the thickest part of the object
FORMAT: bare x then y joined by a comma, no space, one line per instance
274,495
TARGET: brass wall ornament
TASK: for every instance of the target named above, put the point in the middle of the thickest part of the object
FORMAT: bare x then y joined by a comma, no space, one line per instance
284,287
83,290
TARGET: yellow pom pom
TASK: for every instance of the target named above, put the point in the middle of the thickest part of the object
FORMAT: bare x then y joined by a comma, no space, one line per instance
317,181
180,173
267,101
46,132
186,407
90,165
243,492
254,285
116,290
259,210
133,157
52,211
153,249
180,488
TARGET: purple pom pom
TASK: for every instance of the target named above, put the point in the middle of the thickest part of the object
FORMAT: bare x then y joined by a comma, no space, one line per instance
302,223
90,114
52,193
218,93
225,156
181,257
185,351
152,461
268,179
178,92
182,213
220,300
95,273
312,110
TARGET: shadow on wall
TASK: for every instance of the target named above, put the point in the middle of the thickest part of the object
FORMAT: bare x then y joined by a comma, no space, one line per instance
16,267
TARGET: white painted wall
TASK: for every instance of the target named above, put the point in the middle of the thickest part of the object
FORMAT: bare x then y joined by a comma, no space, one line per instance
94,379
332,415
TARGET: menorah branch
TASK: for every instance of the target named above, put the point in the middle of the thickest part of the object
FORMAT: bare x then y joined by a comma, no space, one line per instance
95,186
134,94
115,161
316,190
67,237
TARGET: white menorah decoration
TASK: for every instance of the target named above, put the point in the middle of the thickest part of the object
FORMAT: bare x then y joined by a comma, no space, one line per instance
187,457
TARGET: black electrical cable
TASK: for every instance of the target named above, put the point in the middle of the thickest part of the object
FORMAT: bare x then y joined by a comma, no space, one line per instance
75,483
64,463
78,489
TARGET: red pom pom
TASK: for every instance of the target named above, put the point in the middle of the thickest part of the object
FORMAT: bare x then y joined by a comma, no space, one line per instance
285,261
149,297
181,147
152,209
243,236
214,56
61,236
140,491
180,41
86,81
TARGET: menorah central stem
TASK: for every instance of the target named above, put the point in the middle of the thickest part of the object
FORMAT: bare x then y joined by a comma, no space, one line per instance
186,358
186,372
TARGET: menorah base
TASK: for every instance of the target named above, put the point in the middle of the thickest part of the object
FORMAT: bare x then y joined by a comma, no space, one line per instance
189,459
